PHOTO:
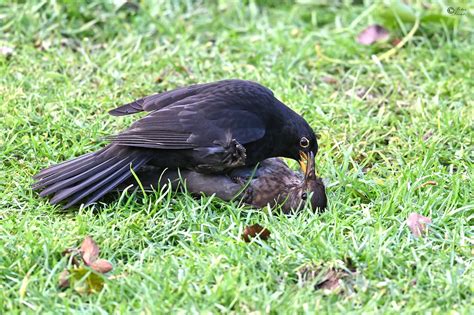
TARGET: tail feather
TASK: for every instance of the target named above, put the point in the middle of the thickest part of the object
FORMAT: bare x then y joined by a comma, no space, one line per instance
89,176
117,178
95,182
72,173
52,169
66,192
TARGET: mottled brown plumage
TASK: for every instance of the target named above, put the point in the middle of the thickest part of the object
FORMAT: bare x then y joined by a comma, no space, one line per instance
272,183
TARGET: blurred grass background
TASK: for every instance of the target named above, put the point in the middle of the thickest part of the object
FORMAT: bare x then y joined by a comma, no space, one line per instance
385,130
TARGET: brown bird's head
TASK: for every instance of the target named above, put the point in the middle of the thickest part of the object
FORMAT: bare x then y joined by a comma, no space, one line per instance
311,189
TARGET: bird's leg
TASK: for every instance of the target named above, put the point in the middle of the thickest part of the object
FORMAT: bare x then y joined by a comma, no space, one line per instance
228,154
234,154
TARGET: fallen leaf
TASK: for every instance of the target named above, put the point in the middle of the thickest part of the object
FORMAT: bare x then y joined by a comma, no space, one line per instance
84,281
324,278
373,33
417,223
101,265
330,281
64,279
255,230
89,250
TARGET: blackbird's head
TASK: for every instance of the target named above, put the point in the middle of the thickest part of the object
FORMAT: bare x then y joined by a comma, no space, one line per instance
304,144
310,190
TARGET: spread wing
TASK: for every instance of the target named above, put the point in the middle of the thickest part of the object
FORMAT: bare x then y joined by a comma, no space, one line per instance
202,118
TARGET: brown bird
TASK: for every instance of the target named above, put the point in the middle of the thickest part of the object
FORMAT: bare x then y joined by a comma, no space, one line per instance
271,183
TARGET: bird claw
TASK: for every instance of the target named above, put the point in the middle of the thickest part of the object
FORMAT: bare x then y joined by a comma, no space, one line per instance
227,156
235,154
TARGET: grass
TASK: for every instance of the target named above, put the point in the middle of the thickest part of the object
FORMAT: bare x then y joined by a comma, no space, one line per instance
385,130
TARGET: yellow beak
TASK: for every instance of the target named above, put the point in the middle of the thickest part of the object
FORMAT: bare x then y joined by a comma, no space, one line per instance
303,161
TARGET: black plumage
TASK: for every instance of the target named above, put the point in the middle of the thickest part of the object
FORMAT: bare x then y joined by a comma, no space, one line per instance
209,128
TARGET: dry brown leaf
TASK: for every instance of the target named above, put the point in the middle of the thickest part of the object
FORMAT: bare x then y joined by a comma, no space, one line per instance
64,279
417,224
101,265
327,278
82,279
330,281
89,254
255,230
89,250
373,33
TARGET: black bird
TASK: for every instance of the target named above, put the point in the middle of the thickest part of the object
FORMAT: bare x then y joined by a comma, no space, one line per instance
209,128
271,183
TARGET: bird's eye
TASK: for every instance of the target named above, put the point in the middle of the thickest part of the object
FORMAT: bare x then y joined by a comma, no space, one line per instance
304,142
304,196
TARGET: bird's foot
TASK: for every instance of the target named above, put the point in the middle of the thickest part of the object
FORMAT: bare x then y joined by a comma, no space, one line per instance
235,154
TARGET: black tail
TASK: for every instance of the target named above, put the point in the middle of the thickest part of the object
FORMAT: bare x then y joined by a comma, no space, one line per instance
90,176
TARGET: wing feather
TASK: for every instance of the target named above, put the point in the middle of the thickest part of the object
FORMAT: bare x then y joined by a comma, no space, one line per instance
198,116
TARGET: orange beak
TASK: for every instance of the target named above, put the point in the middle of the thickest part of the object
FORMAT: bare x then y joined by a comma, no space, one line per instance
307,165
304,158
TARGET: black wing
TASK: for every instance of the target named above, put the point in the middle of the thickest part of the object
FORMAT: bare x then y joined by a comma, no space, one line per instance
203,117
162,100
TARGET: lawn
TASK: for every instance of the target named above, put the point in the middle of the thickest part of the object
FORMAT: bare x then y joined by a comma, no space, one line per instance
396,137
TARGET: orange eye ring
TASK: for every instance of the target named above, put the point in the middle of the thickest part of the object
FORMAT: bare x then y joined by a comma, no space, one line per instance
304,142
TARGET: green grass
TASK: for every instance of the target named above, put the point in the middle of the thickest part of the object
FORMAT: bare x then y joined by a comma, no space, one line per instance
72,63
